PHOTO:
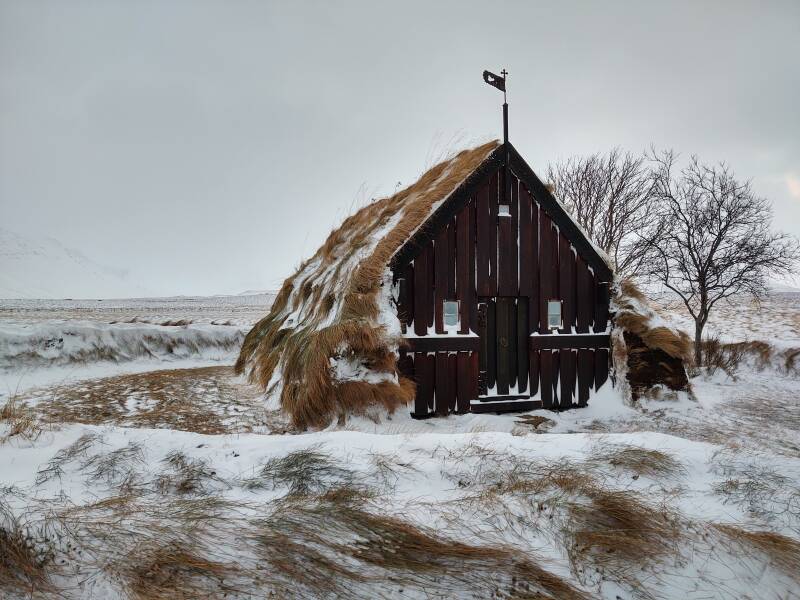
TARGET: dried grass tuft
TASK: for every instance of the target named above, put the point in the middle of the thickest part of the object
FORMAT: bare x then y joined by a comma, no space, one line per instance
628,289
537,422
649,354
782,551
618,535
755,487
634,316
186,475
20,420
115,466
170,571
729,357
24,567
303,472
54,467
637,460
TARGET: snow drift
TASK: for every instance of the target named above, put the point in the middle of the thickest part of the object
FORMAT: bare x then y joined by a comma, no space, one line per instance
58,344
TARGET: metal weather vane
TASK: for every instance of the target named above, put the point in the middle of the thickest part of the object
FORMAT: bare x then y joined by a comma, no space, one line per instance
499,81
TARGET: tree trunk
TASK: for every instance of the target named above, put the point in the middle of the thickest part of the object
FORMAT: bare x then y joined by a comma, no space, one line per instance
698,343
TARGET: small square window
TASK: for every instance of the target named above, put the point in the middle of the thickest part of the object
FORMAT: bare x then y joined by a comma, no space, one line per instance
504,210
451,313
554,314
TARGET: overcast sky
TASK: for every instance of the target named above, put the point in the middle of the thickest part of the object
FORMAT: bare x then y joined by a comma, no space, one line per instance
210,146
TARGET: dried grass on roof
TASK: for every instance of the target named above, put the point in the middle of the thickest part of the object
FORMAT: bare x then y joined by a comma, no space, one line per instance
333,299
649,354
632,319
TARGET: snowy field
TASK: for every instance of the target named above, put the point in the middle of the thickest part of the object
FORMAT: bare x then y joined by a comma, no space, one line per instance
244,310
134,464
775,319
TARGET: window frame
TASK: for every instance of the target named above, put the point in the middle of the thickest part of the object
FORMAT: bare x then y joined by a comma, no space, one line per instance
560,304
457,304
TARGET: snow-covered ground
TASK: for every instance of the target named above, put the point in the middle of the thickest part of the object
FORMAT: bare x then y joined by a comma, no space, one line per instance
243,309
775,319
130,473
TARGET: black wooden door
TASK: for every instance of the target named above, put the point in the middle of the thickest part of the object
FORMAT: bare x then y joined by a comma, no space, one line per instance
503,359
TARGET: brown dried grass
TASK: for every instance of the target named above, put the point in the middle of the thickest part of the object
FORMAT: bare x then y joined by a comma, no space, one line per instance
209,400
611,534
637,460
674,342
20,419
24,571
392,549
617,533
728,357
628,289
782,551
337,272
174,571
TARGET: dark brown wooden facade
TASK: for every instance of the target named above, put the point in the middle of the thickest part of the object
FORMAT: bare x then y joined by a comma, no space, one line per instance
502,247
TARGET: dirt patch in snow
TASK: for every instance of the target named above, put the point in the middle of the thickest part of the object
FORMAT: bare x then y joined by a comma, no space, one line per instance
209,400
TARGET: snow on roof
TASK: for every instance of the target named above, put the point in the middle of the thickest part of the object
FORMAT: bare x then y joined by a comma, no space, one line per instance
328,346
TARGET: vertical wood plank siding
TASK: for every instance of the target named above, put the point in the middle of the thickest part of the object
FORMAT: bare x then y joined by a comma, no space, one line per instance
567,360
513,265
523,332
463,378
546,291
465,293
504,358
585,298
444,383
441,254
566,283
452,262
483,242
586,368
491,277
408,298
421,304
546,377
528,269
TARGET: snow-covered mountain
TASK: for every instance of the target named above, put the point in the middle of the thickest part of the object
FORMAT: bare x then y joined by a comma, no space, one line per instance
45,268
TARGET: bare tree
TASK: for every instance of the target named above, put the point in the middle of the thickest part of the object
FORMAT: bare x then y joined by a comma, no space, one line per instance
609,196
713,238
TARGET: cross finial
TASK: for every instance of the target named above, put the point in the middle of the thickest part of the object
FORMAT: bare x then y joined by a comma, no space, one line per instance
504,73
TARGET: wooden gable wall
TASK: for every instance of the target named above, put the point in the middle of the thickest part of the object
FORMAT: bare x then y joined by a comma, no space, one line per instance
508,267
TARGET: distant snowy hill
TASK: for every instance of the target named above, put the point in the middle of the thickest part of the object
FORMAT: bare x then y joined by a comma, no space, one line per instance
258,293
783,288
45,268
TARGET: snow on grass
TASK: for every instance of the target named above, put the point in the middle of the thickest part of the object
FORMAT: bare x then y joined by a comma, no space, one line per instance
775,319
553,498
36,346
119,493
201,399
